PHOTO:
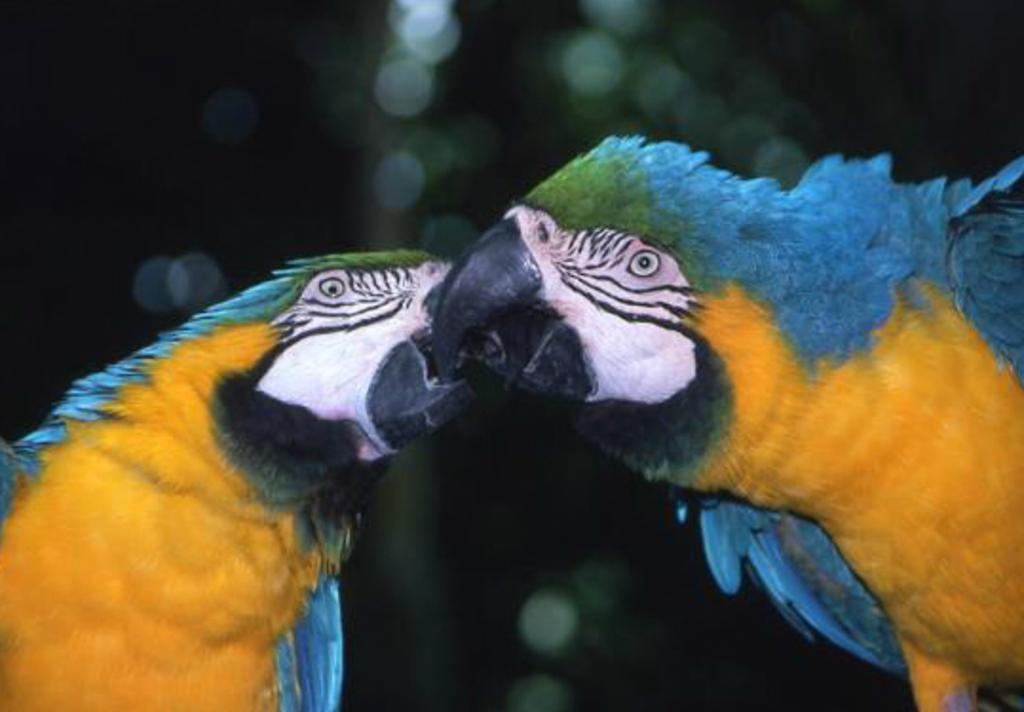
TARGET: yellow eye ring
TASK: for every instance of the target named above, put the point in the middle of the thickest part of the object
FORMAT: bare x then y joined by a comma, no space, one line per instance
644,263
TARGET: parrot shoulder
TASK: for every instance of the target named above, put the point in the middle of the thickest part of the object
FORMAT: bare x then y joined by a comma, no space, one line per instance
804,574
985,260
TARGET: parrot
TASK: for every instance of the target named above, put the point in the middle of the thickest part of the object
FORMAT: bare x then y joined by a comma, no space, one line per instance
172,534
832,373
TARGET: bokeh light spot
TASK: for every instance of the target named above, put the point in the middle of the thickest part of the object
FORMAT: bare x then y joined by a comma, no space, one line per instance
592,63
757,92
622,16
430,31
539,693
700,116
404,87
149,286
600,587
414,4
447,235
195,281
548,621
230,115
741,136
435,149
704,49
780,158
188,283
398,181
658,83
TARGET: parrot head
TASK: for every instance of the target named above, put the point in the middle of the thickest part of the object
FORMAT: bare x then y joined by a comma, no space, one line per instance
584,291
353,340
347,379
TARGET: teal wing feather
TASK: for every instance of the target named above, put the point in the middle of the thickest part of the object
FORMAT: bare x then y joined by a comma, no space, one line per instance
985,260
804,575
310,659
8,469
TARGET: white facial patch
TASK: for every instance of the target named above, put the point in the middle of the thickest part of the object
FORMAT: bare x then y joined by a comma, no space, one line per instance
625,298
338,333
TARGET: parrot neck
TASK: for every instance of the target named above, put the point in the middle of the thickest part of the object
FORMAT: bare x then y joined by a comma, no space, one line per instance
296,461
165,423
666,440
197,424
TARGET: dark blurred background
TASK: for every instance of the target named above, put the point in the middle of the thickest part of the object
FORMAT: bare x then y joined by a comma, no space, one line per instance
156,155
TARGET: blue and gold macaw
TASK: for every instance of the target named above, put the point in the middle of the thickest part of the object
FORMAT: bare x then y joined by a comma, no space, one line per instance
834,370
170,536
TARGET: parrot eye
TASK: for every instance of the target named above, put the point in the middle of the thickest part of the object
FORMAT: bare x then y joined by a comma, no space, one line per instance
332,287
644,263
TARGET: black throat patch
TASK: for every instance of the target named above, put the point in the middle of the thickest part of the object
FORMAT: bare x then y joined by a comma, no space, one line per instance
667,440
297,461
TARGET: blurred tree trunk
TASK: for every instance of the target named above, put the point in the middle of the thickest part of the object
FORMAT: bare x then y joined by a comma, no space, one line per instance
401,538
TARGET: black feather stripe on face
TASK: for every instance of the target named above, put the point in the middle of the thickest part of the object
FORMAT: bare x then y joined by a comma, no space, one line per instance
368,296
584,265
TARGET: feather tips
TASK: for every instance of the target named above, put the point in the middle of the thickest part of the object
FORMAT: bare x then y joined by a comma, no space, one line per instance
986,262
310,660
318,650
803,573
8,469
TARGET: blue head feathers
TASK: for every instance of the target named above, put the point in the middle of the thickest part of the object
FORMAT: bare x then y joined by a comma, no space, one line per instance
828,256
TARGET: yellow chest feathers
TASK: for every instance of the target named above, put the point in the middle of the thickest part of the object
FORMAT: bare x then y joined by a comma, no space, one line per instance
911,454
139,570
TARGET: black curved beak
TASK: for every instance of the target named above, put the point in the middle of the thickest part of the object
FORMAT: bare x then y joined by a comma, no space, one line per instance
406,401
496,275
491,307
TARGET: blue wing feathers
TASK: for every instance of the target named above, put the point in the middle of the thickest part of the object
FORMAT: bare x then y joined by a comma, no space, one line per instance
289,697
986,262
790,594
310,660
781,604
802,572
8,462
1000,182
722,538
319,649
